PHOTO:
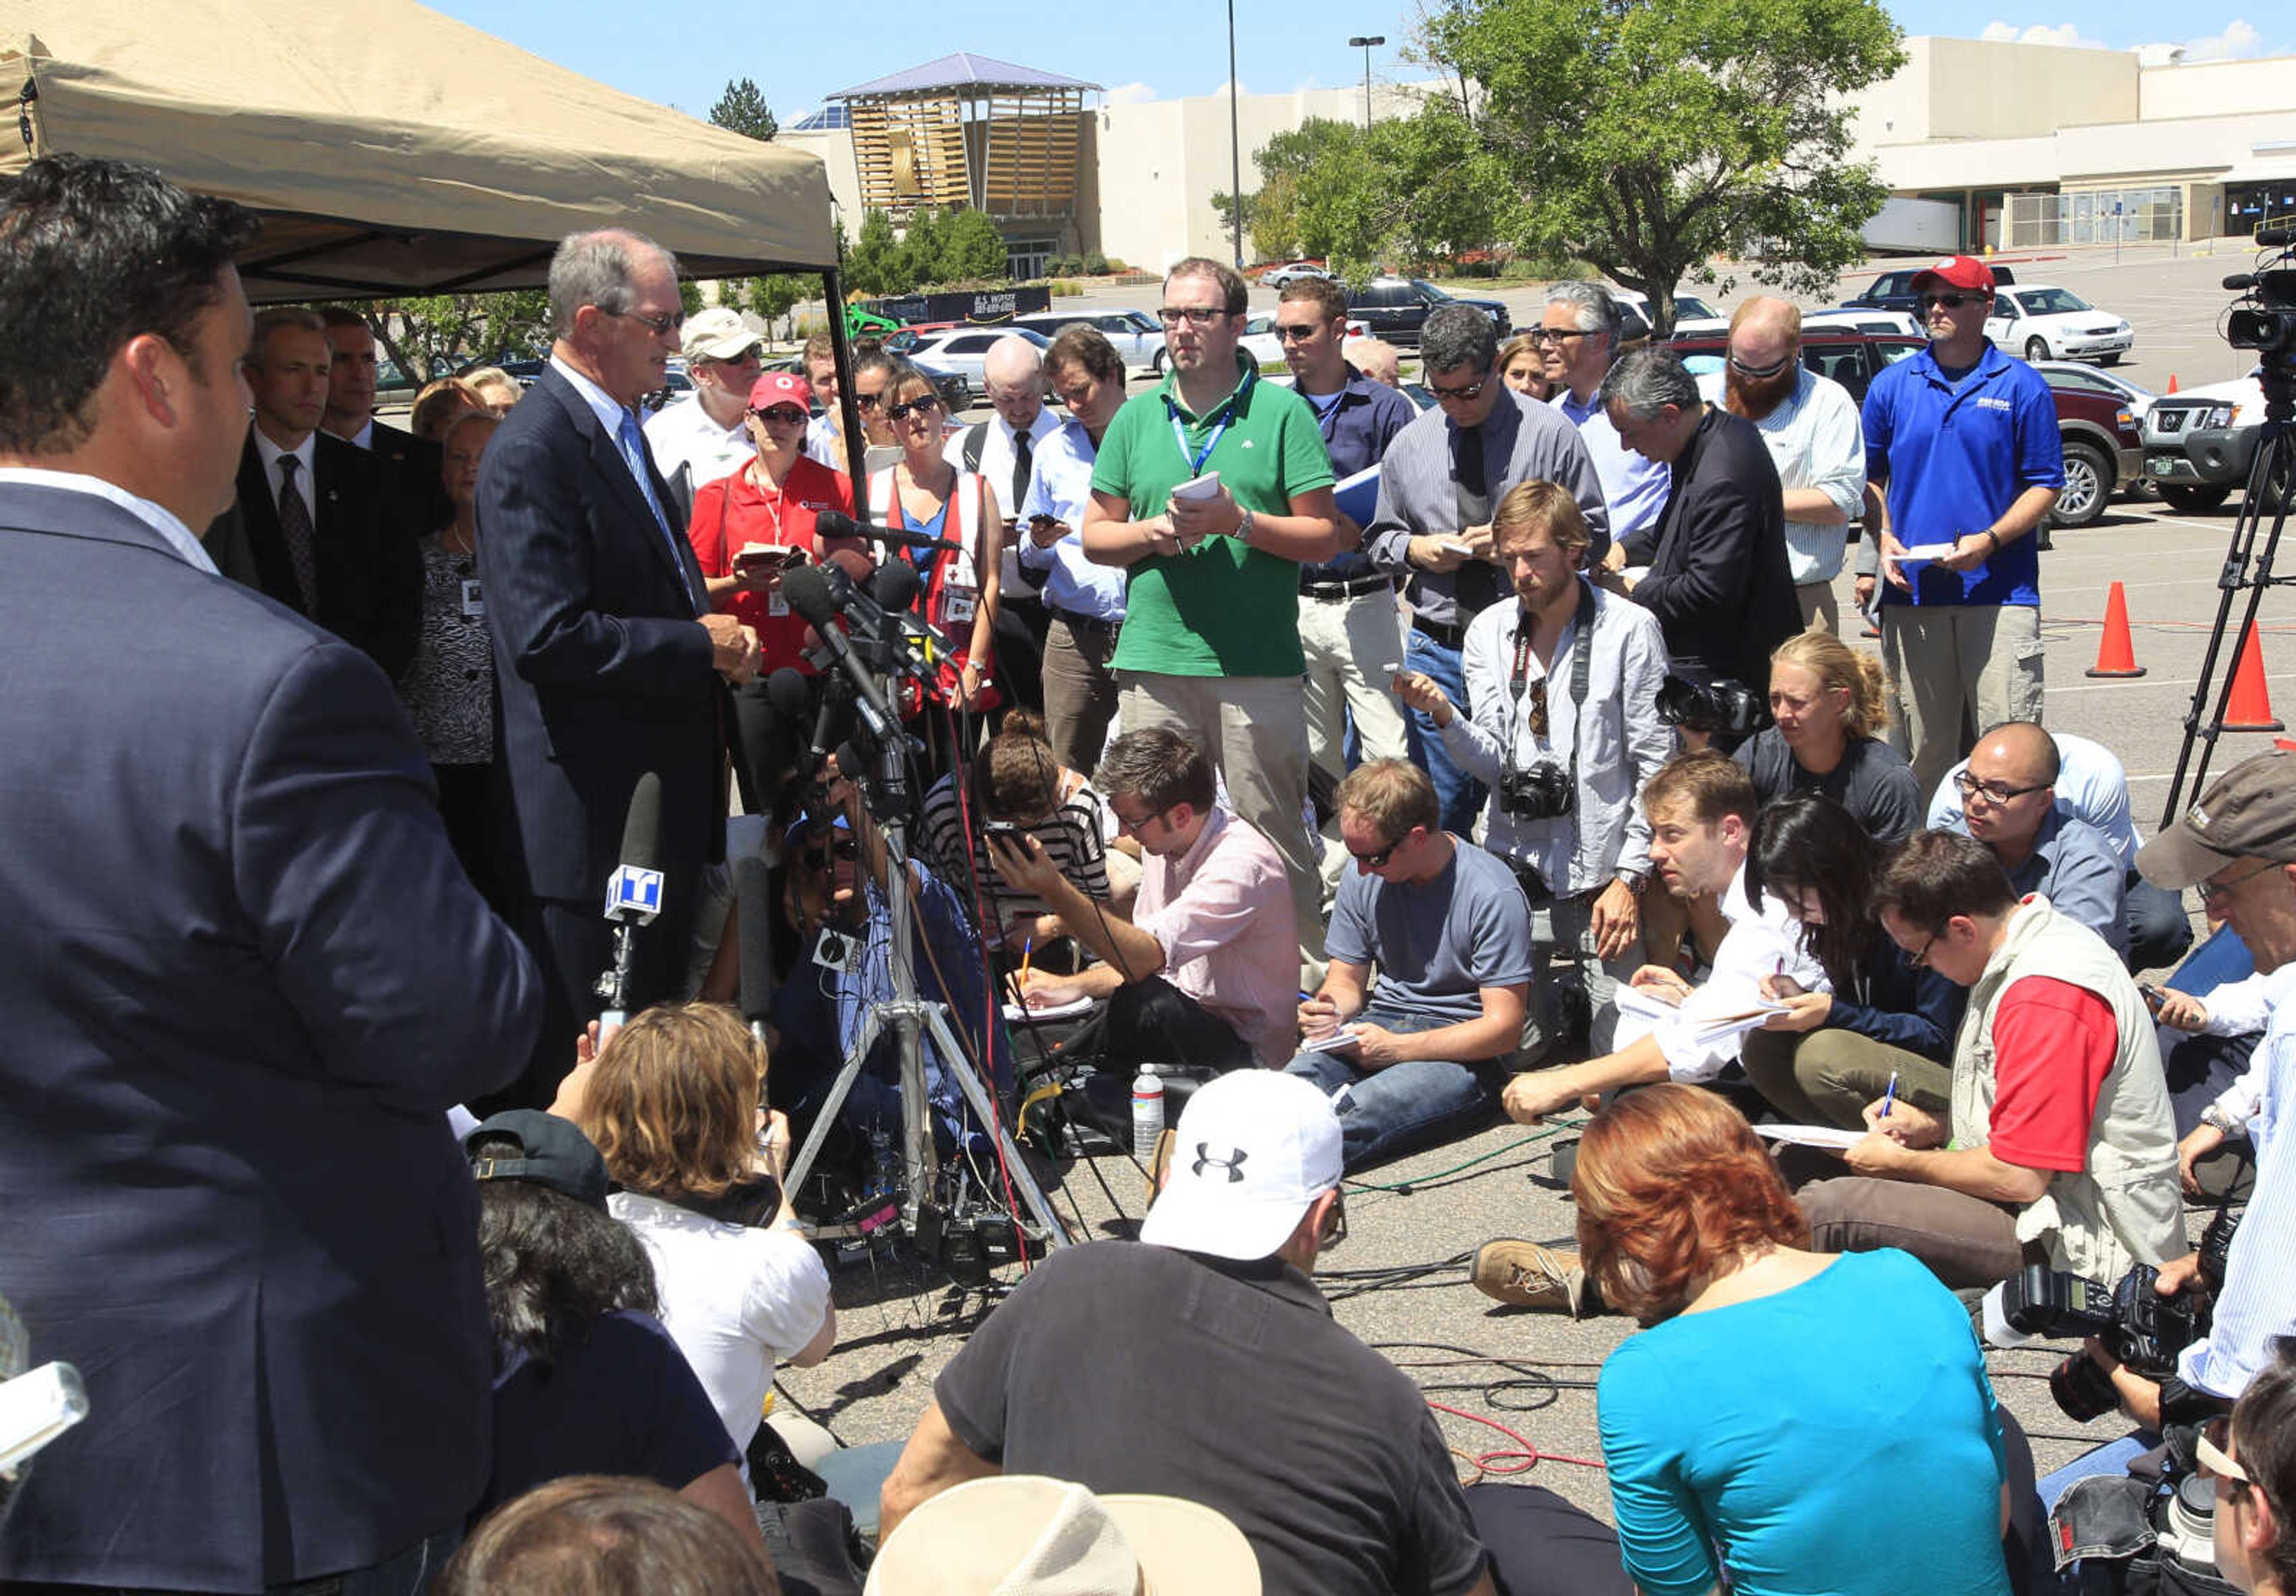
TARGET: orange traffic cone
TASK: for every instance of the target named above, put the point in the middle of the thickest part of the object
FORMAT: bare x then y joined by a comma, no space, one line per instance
2172,382
2116,654
2250,709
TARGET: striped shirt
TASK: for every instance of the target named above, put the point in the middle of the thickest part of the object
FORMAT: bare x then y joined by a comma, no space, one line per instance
1076,837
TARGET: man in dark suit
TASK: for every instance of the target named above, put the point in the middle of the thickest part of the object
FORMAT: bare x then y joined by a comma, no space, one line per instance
410,465
609,659
244,977
321,529
1717,579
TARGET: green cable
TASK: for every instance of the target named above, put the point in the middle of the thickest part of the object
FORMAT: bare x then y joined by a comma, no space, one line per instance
1535,1138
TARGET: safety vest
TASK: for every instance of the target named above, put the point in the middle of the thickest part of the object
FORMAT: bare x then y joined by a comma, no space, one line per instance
951,596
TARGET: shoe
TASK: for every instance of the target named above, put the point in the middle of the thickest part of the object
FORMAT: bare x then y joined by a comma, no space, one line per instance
1527,1275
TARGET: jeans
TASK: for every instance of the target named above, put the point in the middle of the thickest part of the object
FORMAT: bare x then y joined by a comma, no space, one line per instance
2158,933
1459,795
1381,1111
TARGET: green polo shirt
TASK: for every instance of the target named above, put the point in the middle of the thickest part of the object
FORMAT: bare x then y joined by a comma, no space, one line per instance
1220,608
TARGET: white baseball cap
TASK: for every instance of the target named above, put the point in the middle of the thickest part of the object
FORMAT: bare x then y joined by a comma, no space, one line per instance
1254,1148
717,334
1023,1535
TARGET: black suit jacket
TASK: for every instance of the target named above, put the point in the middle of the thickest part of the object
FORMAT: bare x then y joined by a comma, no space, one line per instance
243,979
411,465
1719,581
370,571
604,672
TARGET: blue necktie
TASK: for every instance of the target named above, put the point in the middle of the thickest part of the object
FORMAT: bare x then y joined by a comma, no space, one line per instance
633,456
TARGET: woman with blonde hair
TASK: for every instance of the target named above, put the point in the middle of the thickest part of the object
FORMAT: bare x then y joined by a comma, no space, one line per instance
675,1104
1828,712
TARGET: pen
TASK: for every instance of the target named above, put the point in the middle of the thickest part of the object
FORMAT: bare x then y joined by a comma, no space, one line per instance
1026,949
1891,1096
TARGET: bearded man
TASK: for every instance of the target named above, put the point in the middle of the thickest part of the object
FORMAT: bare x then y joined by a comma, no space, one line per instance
1811,425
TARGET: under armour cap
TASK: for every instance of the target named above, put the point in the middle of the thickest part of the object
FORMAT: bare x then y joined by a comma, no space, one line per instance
1253,1149
1964,272
557,1155
2251,812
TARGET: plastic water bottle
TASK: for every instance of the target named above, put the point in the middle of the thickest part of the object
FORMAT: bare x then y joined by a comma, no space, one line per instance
1147,1115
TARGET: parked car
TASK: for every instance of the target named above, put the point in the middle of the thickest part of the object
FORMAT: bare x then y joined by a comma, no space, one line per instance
2046,322
1396,308
955,391
2075,373
2201,444
1692,316
961,349
1260,342
2103,450
1896,322
1894,290
1294,271
1138,336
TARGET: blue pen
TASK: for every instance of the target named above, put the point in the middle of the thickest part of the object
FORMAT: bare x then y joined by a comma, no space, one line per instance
1891,1096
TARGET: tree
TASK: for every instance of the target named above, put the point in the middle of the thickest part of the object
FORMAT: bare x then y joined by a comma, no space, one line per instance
1647,137
877,265
434,333
971,248
742,110
775,296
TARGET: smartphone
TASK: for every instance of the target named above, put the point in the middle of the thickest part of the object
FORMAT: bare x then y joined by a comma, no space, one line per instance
2152,995
1001,828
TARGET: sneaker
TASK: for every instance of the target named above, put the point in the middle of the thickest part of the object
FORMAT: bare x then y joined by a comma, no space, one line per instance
1528,1275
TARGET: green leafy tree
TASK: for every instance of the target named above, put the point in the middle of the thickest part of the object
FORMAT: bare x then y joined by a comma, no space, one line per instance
924,249
689,296
1648,136
877,263
972,249
775,296
742,110
432,334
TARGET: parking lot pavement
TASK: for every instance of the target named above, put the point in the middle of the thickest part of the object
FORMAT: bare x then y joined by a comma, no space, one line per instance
899,1326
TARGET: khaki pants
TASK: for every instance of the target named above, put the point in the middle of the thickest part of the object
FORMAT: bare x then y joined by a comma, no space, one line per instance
1953,671
1254,730
1354,649
1820,610
1826,1077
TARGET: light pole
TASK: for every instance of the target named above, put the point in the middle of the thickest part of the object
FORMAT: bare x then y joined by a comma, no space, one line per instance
1364,43
1234,142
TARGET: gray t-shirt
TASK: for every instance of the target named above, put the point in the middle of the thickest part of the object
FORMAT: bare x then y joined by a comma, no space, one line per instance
1872,782
1437,942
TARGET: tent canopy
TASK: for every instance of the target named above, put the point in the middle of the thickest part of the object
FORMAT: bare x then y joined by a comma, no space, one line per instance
393,151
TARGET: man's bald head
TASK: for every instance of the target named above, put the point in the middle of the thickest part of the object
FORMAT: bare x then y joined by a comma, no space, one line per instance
2024,751
1013,371
2006,792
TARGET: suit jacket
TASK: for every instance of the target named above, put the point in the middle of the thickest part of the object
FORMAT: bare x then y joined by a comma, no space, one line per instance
1719,581
412,464
243,979
604,672
370,571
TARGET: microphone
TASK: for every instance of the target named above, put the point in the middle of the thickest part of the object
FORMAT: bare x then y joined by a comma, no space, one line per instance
753,897
836,523
812,594
786,691
633,898
831,725
894,586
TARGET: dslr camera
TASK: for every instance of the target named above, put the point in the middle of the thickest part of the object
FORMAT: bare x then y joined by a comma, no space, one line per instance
1720,708
2137,1324
1543,791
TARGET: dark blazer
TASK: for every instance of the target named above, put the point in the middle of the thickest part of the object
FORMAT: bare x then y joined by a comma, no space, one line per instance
370,571
413,463
604,672
1719,581
243,979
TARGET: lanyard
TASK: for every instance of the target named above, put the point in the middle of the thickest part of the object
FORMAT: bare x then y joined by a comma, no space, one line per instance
1179,434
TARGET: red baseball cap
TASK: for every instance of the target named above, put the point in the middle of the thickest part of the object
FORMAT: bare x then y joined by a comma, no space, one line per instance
781,387
1958,271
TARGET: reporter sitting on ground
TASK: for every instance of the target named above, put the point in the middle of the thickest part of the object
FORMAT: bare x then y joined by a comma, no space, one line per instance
1449,931
2254,1466
1777,1396
1205,973
600,1536
1702,809
1830,709
1016,781
2238,1009
2009,788
2057,1144
1885,1021
587,1381
673,1106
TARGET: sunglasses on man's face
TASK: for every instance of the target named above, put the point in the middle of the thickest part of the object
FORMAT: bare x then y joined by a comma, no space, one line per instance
818,857
1760,372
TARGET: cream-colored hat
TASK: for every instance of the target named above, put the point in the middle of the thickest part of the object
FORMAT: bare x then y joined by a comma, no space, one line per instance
1023,1535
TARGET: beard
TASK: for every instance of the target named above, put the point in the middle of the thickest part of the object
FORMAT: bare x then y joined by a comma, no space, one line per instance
1754,398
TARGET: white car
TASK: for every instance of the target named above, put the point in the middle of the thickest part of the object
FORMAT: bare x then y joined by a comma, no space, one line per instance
1895,323
962,349
2074,374
1260,342
1137,336
2042,322
1295,271
1692,317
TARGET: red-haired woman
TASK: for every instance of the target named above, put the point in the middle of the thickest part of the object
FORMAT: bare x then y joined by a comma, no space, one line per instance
1785,1414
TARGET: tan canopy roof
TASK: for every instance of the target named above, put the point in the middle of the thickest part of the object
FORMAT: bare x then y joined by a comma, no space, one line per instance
393,149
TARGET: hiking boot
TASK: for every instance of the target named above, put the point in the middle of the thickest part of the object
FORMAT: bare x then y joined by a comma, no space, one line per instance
1528,1275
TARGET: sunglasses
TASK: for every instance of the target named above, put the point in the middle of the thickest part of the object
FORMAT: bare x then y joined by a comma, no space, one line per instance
789,415
1297,333
867,401
1953,301
923,405
1539,721
1760,372
2209,1450
817,857
1462,394
1375,862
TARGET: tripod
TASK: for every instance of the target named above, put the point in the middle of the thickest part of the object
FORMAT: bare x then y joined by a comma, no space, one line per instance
911,1020
2271,482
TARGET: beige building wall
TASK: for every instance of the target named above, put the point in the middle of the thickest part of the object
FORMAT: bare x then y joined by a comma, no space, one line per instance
2218,88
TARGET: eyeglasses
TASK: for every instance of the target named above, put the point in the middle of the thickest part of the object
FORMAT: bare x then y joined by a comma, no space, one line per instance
1555,335
1299,332
1919,958
2212,890
817,857
1195,316
789,415
921,405
1376,861
1462,394
1996,792
1952,301
668,321
1140,827
1760,372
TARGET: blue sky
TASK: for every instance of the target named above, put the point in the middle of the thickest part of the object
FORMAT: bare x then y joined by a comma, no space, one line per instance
661,51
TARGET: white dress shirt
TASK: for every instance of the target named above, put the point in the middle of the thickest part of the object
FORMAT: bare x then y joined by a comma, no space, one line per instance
995,469
1816,439
306,454
159,518
1768,943
686,434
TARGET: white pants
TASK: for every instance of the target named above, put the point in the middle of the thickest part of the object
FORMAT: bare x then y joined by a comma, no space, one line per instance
1354,649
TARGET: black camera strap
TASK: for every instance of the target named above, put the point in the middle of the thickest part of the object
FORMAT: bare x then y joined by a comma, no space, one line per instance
1582,649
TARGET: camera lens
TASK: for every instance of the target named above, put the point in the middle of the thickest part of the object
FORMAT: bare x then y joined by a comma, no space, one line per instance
2082,1390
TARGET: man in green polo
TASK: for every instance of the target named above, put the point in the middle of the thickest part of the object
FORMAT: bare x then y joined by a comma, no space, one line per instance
1211,645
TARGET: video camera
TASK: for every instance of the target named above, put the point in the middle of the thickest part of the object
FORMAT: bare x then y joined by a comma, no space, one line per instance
2264,318
2137,1324
1720,708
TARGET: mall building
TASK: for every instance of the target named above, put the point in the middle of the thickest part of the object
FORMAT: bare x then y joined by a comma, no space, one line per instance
2035,145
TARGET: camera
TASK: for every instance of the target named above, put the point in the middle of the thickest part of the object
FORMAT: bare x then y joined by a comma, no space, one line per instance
1720,708
2137,1324
1543,791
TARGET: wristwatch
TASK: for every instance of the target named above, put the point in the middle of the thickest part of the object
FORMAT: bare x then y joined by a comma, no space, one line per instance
1633,883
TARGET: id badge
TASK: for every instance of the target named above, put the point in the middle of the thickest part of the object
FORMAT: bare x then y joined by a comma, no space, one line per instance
474,608
776,604
959,603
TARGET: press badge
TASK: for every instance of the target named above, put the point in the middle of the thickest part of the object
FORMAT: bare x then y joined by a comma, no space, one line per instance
474,608
776,603
958,603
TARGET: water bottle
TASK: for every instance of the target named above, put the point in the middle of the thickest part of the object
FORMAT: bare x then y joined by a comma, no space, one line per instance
1147,1115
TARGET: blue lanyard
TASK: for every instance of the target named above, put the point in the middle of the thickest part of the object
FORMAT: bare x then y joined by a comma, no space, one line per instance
1179,434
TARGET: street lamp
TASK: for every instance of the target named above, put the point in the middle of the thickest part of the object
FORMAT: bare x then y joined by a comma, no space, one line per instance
1361,42
1234,142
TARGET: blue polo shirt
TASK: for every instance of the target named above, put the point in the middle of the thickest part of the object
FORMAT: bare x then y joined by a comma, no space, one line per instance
1357,423
1956,454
